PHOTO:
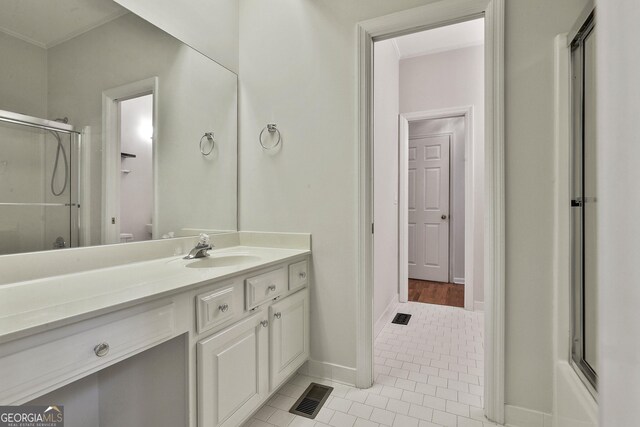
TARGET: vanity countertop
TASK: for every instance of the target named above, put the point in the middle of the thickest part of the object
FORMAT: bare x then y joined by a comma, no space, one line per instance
33,306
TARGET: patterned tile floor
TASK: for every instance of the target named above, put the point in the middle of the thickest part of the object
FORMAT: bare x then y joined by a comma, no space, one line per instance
428,373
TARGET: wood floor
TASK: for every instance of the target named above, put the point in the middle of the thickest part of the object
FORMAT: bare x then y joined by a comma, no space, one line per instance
436,293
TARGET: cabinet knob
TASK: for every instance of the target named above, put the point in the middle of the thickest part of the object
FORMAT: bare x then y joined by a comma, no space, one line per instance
264,323
101,349
277,315
302,275
223,307
271,288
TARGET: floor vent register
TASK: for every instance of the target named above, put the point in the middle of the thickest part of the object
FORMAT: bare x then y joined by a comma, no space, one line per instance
401,319
311,401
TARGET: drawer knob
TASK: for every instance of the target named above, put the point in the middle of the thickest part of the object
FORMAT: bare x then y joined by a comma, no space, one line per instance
101,349
271,288
264,323
277,315
223,308
302,275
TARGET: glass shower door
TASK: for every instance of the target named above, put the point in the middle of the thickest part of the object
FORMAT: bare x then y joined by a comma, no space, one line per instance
36,191
584,206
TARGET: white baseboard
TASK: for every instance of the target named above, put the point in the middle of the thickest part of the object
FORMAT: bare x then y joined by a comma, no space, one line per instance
516,416
329,371
458,280
386,316
478,306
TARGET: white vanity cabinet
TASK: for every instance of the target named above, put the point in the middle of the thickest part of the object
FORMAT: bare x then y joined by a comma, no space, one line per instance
203,349
289,336
241,365
233,372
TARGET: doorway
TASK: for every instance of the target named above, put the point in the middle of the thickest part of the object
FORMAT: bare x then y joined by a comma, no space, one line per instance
129,117
136,173
384,28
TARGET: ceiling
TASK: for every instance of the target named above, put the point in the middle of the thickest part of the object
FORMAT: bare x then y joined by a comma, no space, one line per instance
46,23
456,36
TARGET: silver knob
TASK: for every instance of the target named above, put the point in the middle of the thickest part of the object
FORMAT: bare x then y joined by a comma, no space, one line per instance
271,288
302,275
443,217
101,349
223,307
277,315
264,323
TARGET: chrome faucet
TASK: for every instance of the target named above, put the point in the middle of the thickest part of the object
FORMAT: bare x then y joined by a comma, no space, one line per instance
200,250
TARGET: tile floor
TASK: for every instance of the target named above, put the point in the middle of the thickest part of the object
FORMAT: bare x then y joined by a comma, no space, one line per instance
428,373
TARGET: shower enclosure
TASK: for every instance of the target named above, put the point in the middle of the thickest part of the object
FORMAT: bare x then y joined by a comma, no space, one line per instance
39,164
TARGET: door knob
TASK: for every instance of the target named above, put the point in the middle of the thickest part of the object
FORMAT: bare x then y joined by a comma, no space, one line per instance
443,217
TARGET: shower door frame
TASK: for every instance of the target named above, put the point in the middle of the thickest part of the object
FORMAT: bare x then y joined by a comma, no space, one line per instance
55,126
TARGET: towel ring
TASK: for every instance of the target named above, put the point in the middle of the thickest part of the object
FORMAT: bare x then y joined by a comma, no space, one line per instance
209,136
271,128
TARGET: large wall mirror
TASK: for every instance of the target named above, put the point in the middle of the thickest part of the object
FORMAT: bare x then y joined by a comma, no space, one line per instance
111,130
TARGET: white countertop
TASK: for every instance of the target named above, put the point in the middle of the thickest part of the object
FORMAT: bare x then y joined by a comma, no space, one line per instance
31,306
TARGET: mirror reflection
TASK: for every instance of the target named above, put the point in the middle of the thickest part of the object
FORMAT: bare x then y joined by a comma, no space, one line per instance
111,130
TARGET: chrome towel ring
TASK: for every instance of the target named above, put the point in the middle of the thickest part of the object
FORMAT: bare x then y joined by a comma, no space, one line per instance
271,128
209,137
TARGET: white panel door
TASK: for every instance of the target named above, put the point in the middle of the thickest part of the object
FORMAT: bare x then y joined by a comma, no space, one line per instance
289,341
232,372
429,208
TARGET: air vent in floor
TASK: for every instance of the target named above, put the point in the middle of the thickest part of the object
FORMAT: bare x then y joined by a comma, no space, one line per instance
401,319
311,401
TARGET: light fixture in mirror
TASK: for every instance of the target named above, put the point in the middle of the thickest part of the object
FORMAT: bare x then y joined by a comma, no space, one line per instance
103,114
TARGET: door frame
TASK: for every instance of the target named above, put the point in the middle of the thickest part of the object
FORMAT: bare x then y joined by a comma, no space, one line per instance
403,198
111,153
434,15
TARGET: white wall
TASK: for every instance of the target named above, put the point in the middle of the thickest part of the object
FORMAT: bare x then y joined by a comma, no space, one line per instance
446,80
210,27
298,62
306,82
136,186
24,77
619,210
529,147
385,154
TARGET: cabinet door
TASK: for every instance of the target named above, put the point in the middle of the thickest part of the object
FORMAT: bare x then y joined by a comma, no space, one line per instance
289,339
232,372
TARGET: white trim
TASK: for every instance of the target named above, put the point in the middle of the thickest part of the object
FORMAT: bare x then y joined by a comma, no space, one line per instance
478,306
430,16
386,316
111,154
85,187
460,281
329,371
403,210
516,416
469,190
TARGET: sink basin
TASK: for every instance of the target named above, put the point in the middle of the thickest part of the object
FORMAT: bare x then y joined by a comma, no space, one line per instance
229,260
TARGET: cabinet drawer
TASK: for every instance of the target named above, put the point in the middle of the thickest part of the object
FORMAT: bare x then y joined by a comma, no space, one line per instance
298,275
39,368
265,287
218,306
